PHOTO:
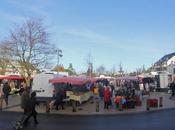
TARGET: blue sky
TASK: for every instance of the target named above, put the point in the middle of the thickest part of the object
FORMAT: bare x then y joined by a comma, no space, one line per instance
133,32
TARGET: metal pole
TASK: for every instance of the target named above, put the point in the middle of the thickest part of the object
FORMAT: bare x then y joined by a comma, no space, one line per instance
147,104
97,105
73,106
58,55
161,102
58,58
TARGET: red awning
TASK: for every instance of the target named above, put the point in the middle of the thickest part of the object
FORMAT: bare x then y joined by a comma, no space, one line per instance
12,77
71,80
94,80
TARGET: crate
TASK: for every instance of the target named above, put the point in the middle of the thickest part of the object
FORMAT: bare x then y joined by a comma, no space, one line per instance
130,104
152,102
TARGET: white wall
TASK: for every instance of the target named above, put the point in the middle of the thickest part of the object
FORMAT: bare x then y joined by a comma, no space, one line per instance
163,80
170,61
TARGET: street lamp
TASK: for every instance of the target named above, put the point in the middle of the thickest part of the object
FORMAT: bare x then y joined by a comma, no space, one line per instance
59,54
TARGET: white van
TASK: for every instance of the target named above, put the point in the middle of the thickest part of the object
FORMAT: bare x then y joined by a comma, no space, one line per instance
42,87
45,90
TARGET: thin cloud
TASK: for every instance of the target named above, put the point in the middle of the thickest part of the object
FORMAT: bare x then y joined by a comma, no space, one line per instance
97,38
11,17
36,7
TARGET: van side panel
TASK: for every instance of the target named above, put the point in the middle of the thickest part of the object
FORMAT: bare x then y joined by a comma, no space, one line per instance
42,87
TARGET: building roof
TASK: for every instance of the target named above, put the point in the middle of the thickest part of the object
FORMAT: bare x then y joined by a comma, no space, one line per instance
165,58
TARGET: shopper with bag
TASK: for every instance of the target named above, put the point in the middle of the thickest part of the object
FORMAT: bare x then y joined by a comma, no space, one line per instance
6,91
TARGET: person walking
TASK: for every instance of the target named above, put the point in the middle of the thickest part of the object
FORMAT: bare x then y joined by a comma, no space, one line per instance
32,111
106,97
96,91
101,90
172,87
21,88
25,99
59,99
6,91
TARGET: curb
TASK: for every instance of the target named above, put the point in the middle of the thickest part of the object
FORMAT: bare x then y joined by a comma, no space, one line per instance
101,114
10,106
111,114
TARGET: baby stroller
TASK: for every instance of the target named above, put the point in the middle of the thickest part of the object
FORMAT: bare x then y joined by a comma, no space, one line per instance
22,122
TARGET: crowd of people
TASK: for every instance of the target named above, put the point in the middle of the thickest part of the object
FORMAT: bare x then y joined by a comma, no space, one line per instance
112,94
104,90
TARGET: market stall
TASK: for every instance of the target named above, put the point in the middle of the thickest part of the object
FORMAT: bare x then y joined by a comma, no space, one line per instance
128,91
76,88
128,81
14,82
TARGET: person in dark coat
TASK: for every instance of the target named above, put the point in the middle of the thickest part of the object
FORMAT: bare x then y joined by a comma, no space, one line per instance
21,89
101,90
172,87
32,110
59,99
6,91
25,99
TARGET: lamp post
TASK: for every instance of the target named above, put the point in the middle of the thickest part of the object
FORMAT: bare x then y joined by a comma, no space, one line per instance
59,54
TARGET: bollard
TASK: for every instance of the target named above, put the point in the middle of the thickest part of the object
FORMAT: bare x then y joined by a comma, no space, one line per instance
161,102
97,105
147,105
120,105
1,103
47,107
73,106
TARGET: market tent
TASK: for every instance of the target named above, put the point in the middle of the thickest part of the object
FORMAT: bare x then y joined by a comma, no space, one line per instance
94,80
146,79
71,80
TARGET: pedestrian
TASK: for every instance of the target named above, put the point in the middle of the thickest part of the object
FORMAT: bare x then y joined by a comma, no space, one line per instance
101,90
172,87
112,86
25,99
59,99
32,111
106,98
6,91
96,91
147,87
1,96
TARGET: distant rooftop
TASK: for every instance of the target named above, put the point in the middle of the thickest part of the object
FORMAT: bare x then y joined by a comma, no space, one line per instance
165,58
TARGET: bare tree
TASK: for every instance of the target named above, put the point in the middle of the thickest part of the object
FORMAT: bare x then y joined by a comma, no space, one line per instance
71,70
4,61
90,65
113,70
101,69
29,47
